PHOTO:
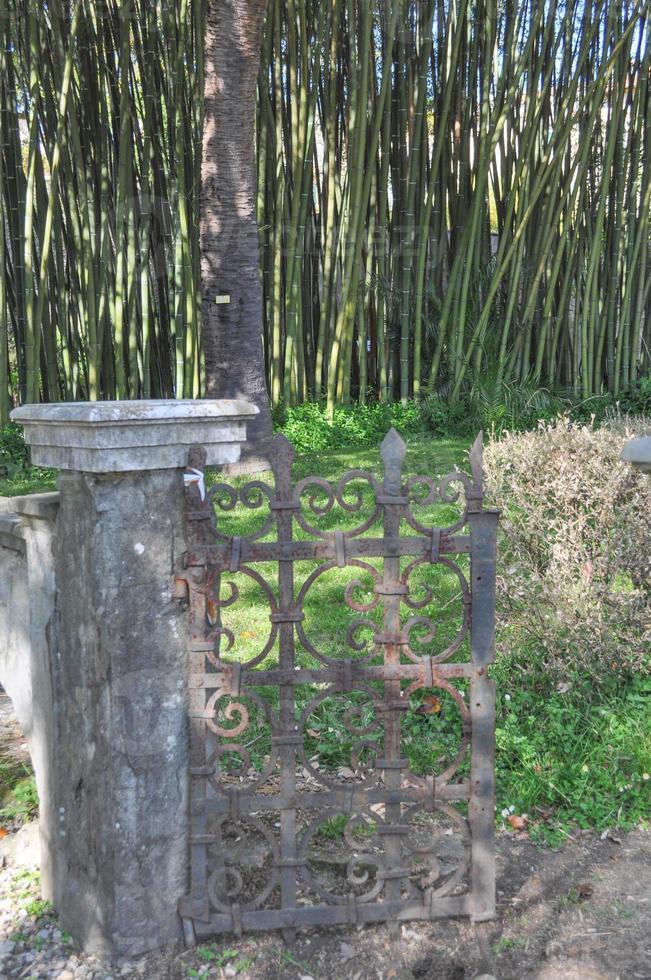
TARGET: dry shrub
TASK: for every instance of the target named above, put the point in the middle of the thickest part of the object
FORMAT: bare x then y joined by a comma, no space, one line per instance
574,570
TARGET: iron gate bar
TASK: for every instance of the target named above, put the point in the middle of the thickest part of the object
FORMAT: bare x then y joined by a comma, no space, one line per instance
218,900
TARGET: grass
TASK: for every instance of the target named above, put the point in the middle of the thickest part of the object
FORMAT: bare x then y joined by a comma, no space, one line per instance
432,741
18,796
24,887
31,480
576,755
506,944
39,908
17,476
581,757
20,799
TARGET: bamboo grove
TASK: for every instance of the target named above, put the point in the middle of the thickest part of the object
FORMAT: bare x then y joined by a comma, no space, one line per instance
445,188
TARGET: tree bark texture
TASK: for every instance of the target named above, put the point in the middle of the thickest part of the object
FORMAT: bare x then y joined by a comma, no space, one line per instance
231,290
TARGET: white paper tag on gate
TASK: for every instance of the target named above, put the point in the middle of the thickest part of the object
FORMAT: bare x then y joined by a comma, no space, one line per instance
196,476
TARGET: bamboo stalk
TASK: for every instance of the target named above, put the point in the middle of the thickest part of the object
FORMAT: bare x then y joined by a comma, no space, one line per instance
464,186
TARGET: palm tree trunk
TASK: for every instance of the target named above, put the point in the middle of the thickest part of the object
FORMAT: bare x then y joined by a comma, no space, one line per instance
230,278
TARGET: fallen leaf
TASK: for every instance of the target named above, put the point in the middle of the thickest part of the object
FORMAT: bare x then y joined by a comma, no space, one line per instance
4,832
545,812
430,705
517,822
212,610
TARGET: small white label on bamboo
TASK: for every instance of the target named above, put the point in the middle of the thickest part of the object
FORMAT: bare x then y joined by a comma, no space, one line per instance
223,299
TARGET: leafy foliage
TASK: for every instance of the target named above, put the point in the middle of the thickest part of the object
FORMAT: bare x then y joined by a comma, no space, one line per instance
17,475
310,430
511,403
495,404
636,400
14,454
575,754
21,802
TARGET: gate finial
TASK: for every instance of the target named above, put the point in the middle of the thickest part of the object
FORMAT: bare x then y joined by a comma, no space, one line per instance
281,458
476,461
393,451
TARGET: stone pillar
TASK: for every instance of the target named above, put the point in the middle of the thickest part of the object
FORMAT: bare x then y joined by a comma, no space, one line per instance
116,827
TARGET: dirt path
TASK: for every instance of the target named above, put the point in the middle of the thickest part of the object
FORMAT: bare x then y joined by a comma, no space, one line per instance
580,913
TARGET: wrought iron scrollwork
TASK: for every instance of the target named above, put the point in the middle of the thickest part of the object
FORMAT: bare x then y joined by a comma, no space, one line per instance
281,838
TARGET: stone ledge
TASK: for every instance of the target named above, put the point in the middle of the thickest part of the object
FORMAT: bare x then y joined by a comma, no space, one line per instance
42,506
168,410
118,437
12,533
637,452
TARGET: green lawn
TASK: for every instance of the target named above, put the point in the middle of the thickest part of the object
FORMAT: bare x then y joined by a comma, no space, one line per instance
431,741
34,480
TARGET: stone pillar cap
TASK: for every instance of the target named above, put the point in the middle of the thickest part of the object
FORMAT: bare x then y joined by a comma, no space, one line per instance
115,437
638,453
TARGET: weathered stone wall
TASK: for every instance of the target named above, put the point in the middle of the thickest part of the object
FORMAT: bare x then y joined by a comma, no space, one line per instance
27,600
15,650
27,530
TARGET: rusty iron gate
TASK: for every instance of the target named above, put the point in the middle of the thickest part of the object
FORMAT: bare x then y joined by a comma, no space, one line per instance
286,842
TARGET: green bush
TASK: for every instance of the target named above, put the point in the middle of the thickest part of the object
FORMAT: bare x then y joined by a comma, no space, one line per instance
636,400
310,430
511,404
494,402
14,454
